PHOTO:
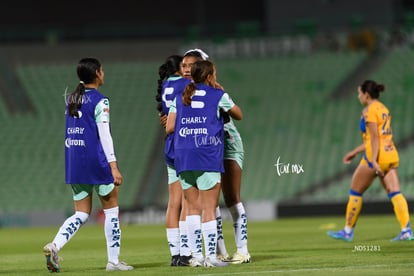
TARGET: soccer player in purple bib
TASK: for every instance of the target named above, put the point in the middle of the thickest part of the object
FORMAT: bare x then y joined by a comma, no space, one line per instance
230,179
170,84
198,127
90,164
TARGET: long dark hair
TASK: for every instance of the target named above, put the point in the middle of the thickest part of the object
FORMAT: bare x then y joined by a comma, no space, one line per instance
168,68
86,70
372,88
200,70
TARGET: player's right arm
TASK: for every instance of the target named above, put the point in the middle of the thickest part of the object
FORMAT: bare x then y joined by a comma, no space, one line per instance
351,154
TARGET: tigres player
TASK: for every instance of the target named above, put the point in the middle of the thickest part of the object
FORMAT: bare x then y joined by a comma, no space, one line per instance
380,159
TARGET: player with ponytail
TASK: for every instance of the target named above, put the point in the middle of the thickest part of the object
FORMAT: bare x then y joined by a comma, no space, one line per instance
380,159
90,164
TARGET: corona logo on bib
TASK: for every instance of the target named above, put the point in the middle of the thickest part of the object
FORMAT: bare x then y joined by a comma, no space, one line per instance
184,131
74,143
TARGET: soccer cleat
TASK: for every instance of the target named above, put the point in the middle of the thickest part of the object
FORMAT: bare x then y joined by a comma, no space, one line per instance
119,266
239,258
224,258
208,262
184,261
52,257
341,235
175,260
406,235
195,262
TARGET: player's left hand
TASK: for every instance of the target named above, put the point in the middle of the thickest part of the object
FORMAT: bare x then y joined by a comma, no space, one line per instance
377,169
116,174
163,120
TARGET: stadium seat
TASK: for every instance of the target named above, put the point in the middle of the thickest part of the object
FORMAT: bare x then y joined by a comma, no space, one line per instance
288,115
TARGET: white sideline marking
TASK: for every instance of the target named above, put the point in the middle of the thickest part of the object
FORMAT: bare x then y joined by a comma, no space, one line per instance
305,269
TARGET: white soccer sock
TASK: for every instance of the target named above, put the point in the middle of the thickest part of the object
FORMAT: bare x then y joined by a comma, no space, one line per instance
210,238
112,234
69,228
348,229
184,247
195,240
173,238
221,246
238,214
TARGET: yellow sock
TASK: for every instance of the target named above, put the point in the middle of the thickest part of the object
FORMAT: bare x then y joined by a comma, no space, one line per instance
401,210
353,209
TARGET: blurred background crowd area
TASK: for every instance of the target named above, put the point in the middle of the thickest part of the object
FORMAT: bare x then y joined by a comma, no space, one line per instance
326,24
292,66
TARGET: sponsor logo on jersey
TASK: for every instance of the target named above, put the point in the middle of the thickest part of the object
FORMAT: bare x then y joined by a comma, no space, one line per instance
184,131
69,142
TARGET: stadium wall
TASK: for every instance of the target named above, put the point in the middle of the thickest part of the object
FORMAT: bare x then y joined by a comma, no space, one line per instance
256,211
14,54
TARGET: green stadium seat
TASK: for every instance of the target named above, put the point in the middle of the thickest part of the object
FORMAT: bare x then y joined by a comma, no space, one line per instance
288,114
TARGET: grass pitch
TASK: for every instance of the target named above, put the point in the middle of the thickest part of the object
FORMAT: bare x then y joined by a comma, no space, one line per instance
297,246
